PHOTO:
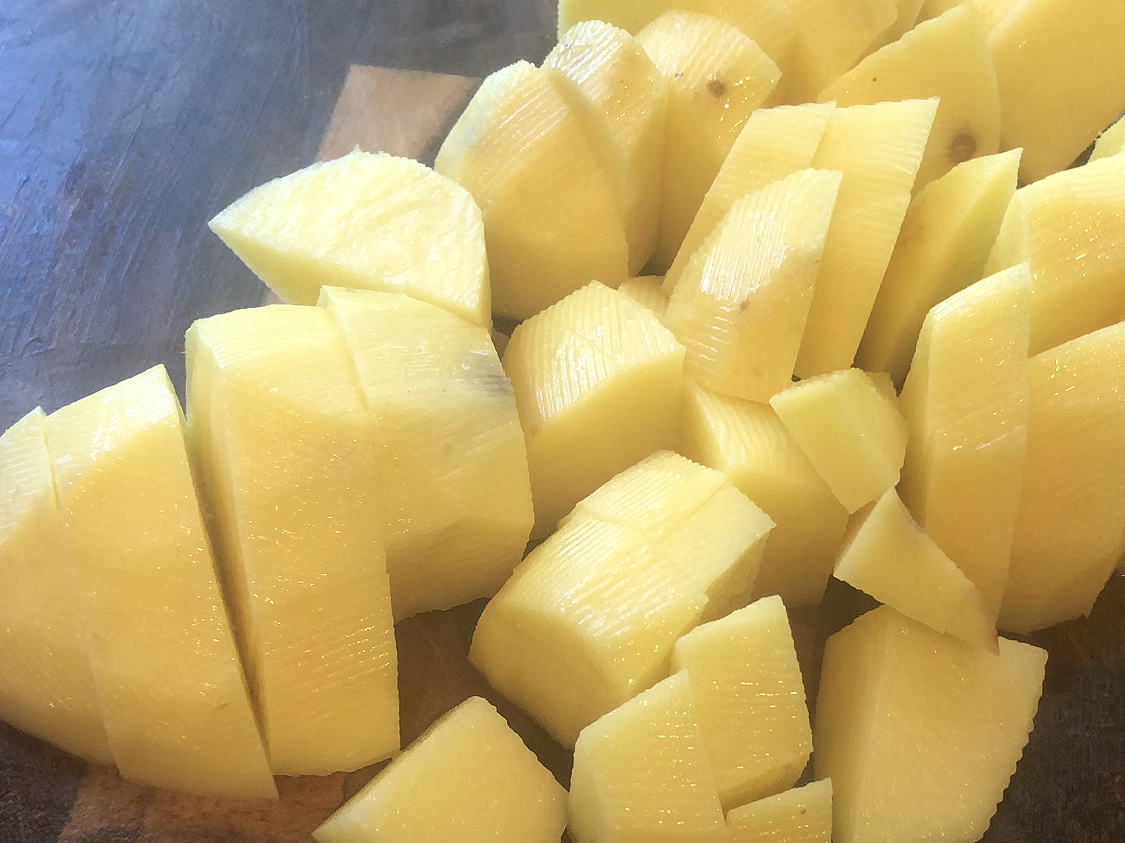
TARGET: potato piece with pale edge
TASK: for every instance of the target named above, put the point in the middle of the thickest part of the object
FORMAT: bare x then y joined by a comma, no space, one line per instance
748,443
47,688
716,78
774,143
619,96
832,35
1068,534
920,732
749,700
965,402
1059,64
946,58
1068,227
851,431
800,815
598,383
1110,142
453,482
368,221
890,557
769,23
878,149
589,618
647,290
165,663
281,442
468,778
740,306
641,774
551,217
942,248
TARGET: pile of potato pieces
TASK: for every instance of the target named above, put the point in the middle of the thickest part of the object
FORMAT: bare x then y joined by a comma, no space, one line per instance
1032,348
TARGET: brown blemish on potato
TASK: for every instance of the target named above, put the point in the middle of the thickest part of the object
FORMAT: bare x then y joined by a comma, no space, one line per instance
962,147
716,87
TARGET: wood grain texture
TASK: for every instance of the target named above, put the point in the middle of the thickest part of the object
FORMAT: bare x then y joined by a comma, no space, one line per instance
123,128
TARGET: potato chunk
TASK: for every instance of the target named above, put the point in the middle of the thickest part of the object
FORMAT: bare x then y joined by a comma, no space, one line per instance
920,732
800,815
469,778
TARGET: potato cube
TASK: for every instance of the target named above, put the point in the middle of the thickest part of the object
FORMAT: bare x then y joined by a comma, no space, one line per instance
851,431
468,778
800,815
589,618
918,731
598,382
748,443
749,700
641,773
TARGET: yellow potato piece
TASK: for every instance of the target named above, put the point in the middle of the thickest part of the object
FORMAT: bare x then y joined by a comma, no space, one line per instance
468,778
946,58
598,382
646,290
48,688
367,221
279,434
641,773
800,815
164,658
749,700
716,78
552,221
920,733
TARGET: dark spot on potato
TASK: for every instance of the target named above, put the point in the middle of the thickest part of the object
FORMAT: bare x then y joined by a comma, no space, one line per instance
962,147
716,87
874,78
744,304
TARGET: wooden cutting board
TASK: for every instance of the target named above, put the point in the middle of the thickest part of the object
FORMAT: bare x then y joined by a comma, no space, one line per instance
1072,777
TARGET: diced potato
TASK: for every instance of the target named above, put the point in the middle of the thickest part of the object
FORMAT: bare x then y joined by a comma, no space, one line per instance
947,58
891,558
1068,534
831,37
878,149
282,446
920,732
453,484
648,291
942,248
748,443
965,401
749,700
598,382
800,815
1059,64
1068,227
905,19
164,658
47,687
551,217
1110,142
851,431
716,78
774,143
469,778
641,774
368,221
620,98
740,306
769,23
590,617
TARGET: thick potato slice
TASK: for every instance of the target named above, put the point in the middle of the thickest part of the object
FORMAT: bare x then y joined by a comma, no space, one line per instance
47,687
552,221
281,441
165,662
946,58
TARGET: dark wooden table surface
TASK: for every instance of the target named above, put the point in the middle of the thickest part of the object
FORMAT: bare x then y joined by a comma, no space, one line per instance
124,126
